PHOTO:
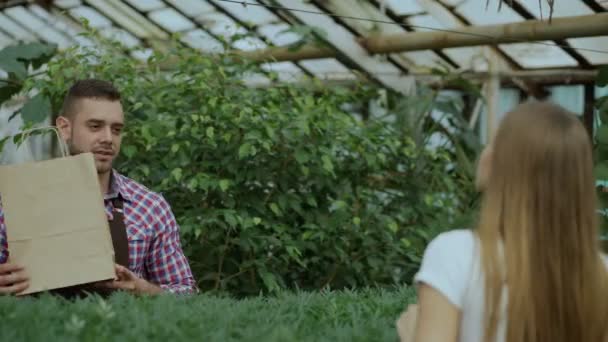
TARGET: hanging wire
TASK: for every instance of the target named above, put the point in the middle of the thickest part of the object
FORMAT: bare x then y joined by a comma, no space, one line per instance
378,21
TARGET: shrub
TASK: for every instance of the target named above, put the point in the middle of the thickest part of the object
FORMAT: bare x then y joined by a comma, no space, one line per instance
282,186
326,316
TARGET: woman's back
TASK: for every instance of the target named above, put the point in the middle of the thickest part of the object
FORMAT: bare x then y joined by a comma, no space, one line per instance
452,265
534,260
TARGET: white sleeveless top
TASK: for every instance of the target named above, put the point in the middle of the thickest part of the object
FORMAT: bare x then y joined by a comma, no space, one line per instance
451,265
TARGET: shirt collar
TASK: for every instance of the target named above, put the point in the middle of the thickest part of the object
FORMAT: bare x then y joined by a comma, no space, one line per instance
117,187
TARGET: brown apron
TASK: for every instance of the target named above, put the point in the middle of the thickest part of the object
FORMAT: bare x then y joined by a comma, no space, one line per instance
118,231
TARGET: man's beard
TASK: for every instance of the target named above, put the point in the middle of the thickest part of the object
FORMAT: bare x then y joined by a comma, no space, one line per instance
76,151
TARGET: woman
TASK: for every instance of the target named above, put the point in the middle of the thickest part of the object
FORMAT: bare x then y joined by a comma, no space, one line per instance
533,270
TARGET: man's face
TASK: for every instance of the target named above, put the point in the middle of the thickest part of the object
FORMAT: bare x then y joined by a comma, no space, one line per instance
96,127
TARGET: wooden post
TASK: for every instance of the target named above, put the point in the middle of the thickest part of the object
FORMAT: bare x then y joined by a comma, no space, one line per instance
588,114
493,94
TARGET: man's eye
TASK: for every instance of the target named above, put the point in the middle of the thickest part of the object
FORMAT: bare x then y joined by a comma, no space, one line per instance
117,130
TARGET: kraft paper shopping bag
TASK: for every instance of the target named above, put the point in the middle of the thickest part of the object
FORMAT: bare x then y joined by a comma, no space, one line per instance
55,221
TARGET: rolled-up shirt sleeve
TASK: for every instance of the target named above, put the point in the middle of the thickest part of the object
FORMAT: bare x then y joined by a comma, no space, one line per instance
3,239
166,263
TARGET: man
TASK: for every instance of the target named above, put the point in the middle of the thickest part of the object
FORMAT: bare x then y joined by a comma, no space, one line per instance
92,120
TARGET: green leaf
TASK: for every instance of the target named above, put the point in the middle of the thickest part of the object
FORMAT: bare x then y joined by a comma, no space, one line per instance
602,134
174,148
12,66
231,220
270,281
34,53
177,174
601,171
602,77
129,151
357,221
327,164
2,142
224,184
337,205
210,132
244,150
275,209
302,156
8,90
257,220
36,109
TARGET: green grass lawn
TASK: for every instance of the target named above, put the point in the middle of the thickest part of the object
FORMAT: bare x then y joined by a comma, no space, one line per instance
365,315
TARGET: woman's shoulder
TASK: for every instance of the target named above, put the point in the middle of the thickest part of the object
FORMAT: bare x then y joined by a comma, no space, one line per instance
461,239
447,263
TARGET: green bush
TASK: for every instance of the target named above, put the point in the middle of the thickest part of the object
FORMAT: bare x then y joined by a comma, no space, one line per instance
323,316
283,186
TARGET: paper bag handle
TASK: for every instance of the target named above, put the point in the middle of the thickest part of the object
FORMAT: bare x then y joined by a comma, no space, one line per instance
63,147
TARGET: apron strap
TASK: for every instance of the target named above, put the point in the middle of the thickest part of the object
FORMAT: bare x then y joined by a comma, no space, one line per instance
118,230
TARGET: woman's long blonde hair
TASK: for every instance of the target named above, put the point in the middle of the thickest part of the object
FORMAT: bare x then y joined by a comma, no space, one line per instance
539,232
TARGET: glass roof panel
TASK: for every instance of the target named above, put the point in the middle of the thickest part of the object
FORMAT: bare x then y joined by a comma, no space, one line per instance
129,19
538,56
142,54
327,68
476,13
249,44
257,15
94,18
147,5
42,13
65,4
194,8
15,30
425,58
35,24
5,40
274,33
596,43
286,71
202,40
171,20
122,36
255,80
404,7
220,24
466,57
560,8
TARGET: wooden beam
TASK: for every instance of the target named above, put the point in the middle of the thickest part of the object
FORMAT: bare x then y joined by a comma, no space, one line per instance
525,31
530,30
440,12
540,77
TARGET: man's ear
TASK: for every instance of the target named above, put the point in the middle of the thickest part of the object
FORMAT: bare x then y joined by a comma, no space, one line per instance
65,127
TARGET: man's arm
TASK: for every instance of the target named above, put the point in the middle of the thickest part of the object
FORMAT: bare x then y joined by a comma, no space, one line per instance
13,278
166,263
3,243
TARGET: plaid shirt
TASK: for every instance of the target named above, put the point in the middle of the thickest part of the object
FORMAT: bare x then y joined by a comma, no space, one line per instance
155,251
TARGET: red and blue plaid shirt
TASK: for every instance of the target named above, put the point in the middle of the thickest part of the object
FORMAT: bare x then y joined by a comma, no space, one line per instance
155,251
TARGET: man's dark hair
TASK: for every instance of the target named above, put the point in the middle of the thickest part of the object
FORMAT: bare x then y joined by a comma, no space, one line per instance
87,89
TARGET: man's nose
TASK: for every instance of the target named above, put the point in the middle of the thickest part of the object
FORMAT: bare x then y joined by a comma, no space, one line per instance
106,134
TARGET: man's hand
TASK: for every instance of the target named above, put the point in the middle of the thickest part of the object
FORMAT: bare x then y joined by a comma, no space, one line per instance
13,279
128,281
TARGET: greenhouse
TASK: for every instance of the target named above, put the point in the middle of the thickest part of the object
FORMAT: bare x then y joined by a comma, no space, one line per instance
303,170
